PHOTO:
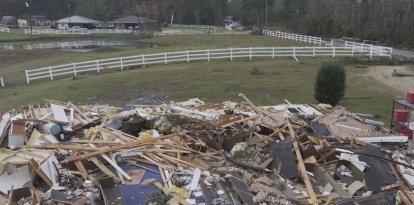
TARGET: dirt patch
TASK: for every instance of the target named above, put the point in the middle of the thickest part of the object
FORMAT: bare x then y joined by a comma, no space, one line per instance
384,74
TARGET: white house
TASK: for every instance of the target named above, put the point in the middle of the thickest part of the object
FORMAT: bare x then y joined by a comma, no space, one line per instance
72,21
22,23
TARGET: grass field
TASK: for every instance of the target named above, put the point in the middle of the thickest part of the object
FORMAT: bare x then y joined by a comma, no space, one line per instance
282,78
19,38
216,81
14,62
13,37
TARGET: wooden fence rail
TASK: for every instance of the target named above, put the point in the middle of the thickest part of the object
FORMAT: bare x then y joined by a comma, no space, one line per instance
65,44
4,29
368,48
295,37
75,32
191,26
193,55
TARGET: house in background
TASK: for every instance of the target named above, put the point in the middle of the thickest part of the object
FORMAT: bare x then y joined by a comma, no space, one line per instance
38,20
83,22
135,22
9,21
22,23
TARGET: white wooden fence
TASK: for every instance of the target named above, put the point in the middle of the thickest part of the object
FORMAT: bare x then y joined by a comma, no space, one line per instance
75,32
373,50
191,26
1,82
187,56
67,44
4,29
295,37
180,32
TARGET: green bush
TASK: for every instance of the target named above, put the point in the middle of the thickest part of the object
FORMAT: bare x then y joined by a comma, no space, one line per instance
330,84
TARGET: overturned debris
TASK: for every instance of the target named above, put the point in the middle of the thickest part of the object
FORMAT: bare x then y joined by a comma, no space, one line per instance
201,153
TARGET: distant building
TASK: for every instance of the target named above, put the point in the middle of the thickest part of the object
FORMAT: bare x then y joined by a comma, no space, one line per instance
9,21
22,23
135,22
38,20
80,21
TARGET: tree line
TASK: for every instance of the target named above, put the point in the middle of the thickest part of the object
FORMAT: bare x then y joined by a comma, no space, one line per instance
390,21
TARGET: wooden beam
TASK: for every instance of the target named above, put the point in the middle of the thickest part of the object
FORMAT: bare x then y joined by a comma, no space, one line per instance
9,201
301,165
119,173
103,168
80,167
134,144
35,167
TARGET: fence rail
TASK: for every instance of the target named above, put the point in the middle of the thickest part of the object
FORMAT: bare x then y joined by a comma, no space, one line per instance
70,44
295,37
191,26
75,32
368,48
4,29
187,56
179,32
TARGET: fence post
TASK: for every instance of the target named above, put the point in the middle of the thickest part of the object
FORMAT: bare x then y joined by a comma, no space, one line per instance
122,63
27,77
250,53
74,69
165,58
97,65
231,54
314,51
1,82
353,50
50,73
143,60
370,51
273,52
333,52
188,57
208,55
294,51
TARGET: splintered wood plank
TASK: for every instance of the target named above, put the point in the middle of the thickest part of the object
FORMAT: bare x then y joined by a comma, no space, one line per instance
35,167
103,168
301,165
119,173
266,163
9,201
80,167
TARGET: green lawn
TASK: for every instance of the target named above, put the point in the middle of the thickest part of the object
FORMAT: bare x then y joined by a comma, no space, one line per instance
411,67
217,81
13,37
14,62
19,38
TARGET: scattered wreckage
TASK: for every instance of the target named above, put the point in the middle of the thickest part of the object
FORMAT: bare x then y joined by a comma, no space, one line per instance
154,152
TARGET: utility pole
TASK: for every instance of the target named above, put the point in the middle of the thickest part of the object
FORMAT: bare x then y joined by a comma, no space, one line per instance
68,27
266,13
30,20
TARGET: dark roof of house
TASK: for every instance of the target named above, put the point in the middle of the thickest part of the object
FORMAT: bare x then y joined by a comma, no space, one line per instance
133,19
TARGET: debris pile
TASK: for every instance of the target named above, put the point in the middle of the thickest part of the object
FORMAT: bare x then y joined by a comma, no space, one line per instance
155,152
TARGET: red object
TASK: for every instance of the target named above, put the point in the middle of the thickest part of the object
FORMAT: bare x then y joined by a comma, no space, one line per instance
407,132
400,115
410,97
